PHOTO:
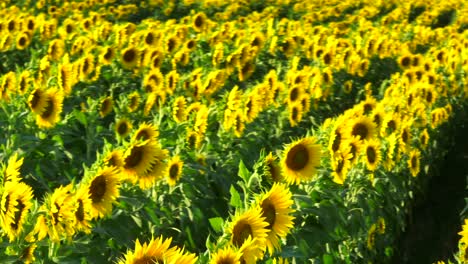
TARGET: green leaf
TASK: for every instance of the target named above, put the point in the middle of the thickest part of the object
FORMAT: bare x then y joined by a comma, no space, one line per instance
80,116
235,197
327,259
243,172
217,224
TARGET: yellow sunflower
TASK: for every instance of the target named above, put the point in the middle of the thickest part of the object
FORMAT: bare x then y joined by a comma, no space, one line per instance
156,251
103,190
58,220
12,173
130,57
271,168
300,160
16,201
414,162
372,154
38,100
23,40
146,132
276,209
51,113
248,231
371,236
133,101
65,78
139,158
227,255
123,127
178,109
362,127
156,172
83,204
341,164
27,254
114,159
174,170
106,106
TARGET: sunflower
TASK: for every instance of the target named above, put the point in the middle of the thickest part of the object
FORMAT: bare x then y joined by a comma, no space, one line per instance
103,190
180,257
271,169
390,124
239,123
24,81
380,225
341,164
106,106
424,138
12,173
114,159
129,57
156,172
362,127
133,101
146,132
123,127
199,22
371,236
56,49
106,55
276,209
27,254
58,220
139,158
172,43
52,109
295,113
83,204
22,41
300,159
193,139
65,77
336,138
414,162
372,154
156,251
226,255
174,170
172,79
179,112
249,226
15,205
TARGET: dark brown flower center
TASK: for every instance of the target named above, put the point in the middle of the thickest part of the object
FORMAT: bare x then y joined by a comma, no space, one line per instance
297,157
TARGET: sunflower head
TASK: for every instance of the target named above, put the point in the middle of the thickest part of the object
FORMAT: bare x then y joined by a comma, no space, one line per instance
130,57
300,160
146,132
123,127
174,170
227,255
103,190
106,106
247,226
362,127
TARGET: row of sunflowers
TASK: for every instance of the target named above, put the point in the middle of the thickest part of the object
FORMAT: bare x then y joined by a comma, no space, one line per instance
222,131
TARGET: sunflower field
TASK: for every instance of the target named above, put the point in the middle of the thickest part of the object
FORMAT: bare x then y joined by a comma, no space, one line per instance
224,132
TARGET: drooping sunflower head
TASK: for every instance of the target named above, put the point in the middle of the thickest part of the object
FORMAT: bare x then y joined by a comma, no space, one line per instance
300,160
103,190
123,127
38,100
